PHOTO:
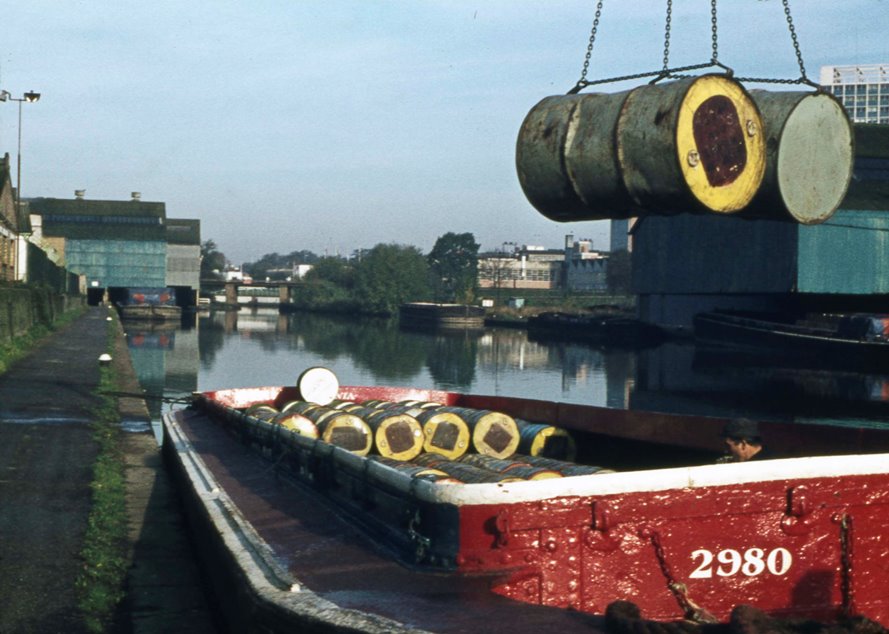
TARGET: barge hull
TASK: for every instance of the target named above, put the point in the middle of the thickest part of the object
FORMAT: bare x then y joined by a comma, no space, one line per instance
261,536
796,538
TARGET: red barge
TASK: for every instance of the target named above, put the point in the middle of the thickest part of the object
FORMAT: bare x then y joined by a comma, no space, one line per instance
304,533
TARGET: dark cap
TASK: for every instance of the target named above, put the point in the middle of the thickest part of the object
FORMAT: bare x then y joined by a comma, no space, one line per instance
741,428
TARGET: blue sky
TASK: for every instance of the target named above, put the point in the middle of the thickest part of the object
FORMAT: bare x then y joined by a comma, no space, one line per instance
330,125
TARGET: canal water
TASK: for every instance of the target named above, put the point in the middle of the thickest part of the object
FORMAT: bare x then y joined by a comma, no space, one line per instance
260,347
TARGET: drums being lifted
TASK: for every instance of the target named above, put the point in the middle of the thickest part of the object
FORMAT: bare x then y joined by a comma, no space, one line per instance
693,145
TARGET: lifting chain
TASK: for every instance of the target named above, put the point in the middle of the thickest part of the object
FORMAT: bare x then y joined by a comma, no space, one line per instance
667,35
845,522
667,72
793,38
714,34
589,48
691,610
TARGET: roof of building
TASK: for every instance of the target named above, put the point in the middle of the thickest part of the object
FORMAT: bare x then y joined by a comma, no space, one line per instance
183,231
101,219
84,207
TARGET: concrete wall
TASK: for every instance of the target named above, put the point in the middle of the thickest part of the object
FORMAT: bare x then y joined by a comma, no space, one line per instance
184,265
22,308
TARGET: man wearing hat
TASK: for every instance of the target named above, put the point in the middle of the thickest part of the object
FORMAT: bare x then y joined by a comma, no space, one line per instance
742,441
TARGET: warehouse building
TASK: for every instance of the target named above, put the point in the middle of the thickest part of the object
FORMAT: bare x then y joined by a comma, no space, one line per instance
120,245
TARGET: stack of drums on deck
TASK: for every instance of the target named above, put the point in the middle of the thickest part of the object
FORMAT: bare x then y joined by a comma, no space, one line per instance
701,144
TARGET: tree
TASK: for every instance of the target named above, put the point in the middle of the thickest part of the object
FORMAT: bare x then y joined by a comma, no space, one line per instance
272,261
499,268
454,265
213,261
333,269
390,275
618,275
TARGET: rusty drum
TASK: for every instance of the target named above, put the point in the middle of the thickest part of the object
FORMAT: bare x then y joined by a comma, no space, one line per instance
694,145
809,156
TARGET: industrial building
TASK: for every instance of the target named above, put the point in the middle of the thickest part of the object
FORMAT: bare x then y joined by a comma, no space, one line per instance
577,267
862,89
13,228
686,264
120,245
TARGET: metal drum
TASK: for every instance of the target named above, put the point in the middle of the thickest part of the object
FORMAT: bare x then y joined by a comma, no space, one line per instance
297,423
493,433
335,426
261,411
563,467
444,433
414,470
809,156
396,435
299,407
510,467
693,145
317,385
539,439
466,473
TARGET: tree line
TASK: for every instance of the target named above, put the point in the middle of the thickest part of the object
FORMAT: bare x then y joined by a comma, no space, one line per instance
372,281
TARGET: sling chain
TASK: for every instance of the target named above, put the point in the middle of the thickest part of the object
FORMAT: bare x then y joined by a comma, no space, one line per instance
667,72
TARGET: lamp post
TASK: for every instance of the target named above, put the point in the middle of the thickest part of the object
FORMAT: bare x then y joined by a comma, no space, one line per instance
28,97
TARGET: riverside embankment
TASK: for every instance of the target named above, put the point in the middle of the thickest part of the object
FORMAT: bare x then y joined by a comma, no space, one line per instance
48,400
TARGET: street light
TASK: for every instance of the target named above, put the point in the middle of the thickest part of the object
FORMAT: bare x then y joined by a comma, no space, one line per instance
28,97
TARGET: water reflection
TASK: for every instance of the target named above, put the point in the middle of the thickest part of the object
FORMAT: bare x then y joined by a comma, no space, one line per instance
250,348
686,379
165,358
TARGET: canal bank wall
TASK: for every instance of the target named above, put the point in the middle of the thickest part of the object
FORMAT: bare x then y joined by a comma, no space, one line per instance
22,308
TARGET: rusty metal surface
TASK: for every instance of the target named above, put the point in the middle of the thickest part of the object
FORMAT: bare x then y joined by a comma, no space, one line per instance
333,558
720,140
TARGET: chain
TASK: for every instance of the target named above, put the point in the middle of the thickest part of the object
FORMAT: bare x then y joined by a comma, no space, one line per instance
799,55
692,611
714,31
657,74
667,72
589,48
667,35
846,560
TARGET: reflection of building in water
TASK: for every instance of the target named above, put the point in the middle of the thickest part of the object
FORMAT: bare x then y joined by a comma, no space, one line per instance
578,364
182,362
165,359
684,379
253,320
511,348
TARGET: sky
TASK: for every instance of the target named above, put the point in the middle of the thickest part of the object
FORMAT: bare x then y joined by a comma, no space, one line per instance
331,125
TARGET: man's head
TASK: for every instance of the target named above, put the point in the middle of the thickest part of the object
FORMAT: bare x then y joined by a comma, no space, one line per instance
742,440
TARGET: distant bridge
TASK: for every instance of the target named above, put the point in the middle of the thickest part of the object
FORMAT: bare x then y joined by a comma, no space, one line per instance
236,293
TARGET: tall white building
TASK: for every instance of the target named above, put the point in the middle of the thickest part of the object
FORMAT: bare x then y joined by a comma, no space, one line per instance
863,90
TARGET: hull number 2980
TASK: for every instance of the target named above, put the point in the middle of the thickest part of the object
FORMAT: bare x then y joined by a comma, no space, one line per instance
751,563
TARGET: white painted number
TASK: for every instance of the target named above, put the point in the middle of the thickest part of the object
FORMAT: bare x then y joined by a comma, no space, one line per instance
753,562
772,560
703,571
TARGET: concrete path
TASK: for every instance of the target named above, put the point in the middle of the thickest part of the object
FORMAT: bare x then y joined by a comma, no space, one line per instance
46,458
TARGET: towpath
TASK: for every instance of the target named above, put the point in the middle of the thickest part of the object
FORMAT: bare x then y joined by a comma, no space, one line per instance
46,458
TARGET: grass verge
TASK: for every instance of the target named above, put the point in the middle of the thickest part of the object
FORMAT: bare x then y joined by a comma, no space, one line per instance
100,586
